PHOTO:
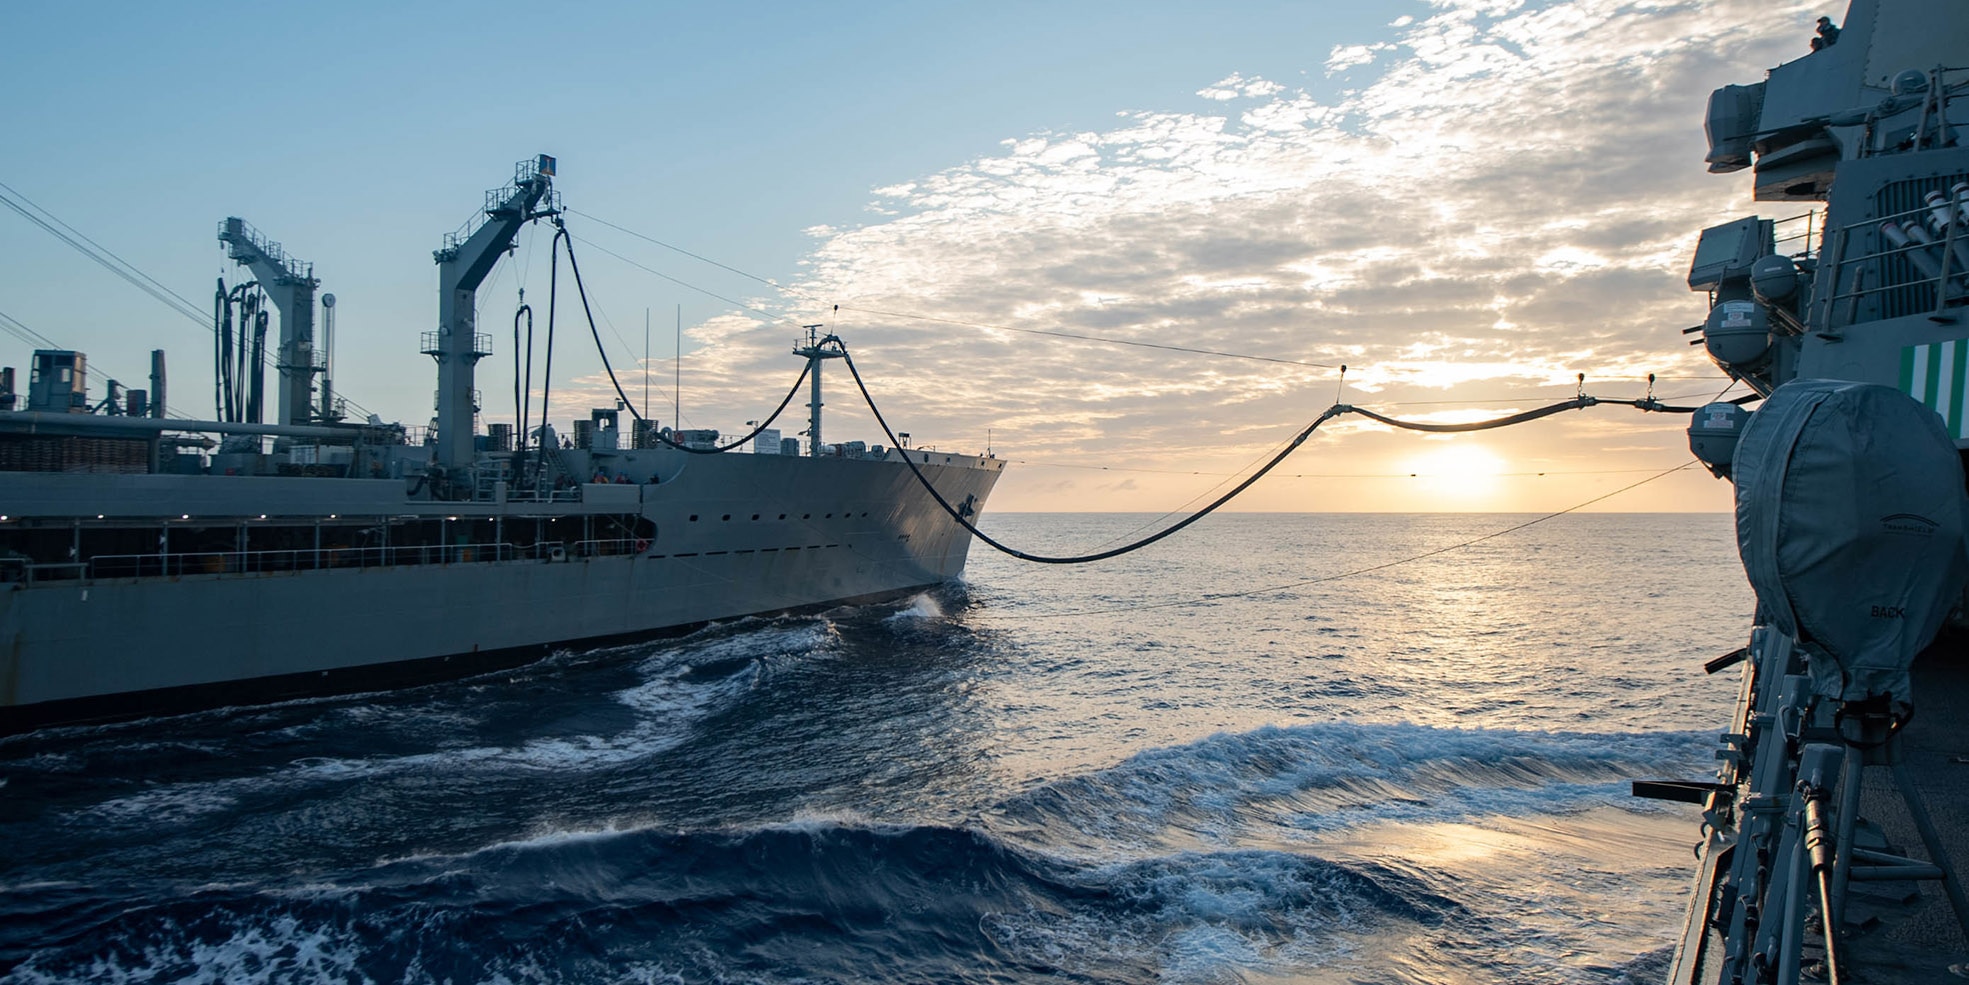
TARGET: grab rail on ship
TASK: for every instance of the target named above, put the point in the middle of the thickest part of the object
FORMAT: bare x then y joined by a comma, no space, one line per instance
111,566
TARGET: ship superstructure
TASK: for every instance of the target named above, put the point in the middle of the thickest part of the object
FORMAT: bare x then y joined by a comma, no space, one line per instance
1827,854
151,564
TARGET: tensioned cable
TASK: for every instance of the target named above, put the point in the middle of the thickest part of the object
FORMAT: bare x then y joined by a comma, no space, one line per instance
100,254
1219,596
698,257
683,283
1091,338
602,351
136,279
1577,403
18,329
1317,475
795,292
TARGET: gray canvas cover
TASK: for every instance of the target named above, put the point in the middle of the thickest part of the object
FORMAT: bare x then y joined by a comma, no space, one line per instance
1850,514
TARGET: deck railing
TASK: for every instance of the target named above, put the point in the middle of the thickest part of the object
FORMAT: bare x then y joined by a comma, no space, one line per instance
177,564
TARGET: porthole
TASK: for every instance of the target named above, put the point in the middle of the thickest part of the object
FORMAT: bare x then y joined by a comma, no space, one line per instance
693,518
727,516
782,516
755,516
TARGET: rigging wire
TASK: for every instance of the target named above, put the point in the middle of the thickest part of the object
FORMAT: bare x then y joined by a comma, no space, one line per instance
18,329
683,283
698,257
1579,402
795,292
1220,596
1092,338
100,254
602,351
1314,475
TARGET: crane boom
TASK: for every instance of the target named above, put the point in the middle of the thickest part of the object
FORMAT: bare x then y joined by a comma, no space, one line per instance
291,283
462,266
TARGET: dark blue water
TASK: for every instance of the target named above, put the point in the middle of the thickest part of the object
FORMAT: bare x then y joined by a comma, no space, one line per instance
1414,774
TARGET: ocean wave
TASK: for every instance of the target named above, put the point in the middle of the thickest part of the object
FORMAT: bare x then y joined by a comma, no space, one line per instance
1320,778
676,690
817,900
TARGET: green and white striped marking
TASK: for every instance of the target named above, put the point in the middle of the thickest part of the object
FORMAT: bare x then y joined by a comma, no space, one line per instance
1937,374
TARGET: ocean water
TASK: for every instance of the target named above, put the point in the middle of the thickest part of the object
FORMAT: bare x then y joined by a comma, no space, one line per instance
1278,748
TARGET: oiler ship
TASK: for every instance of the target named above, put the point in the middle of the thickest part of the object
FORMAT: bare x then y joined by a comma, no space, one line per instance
1833,831
151,564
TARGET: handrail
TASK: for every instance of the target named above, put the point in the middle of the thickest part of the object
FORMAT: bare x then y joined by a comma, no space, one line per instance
1937,263
176,564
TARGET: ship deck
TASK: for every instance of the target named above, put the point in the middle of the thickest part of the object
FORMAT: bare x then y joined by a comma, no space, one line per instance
1918,939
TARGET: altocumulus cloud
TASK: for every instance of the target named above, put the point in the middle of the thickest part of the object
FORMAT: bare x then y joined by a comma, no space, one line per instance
1500,196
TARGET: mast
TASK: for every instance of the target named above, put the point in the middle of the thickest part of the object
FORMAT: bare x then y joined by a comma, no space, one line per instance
816,350
462,267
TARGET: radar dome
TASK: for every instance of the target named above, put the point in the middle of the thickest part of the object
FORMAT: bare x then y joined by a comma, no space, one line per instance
1774,278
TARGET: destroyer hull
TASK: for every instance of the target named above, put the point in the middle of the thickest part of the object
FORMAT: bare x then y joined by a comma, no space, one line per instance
732,536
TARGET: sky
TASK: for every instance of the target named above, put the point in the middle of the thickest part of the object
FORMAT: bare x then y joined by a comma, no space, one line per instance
1466,202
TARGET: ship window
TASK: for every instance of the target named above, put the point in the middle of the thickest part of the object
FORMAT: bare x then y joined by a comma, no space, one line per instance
830,516
782,516
727,516
806,516
693,518
755,516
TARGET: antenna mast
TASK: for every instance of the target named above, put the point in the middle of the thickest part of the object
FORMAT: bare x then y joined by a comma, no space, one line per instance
817,351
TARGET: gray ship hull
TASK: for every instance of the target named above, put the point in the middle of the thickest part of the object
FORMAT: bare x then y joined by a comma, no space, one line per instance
733,535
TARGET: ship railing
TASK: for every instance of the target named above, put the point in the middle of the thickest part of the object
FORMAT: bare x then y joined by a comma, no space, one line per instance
1908,262
22,570
609,548
1793,235
310,559
299,559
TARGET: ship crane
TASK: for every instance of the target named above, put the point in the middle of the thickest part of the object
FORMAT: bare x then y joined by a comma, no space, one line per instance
291,283
463,264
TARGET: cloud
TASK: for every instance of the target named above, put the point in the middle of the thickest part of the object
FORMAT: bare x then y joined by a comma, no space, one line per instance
1346,56
1509,201
1236,86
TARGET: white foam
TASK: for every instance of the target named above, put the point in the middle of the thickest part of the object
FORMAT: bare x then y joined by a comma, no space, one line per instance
668,704
1199,917
1318,778
282,949
175,804
922,607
